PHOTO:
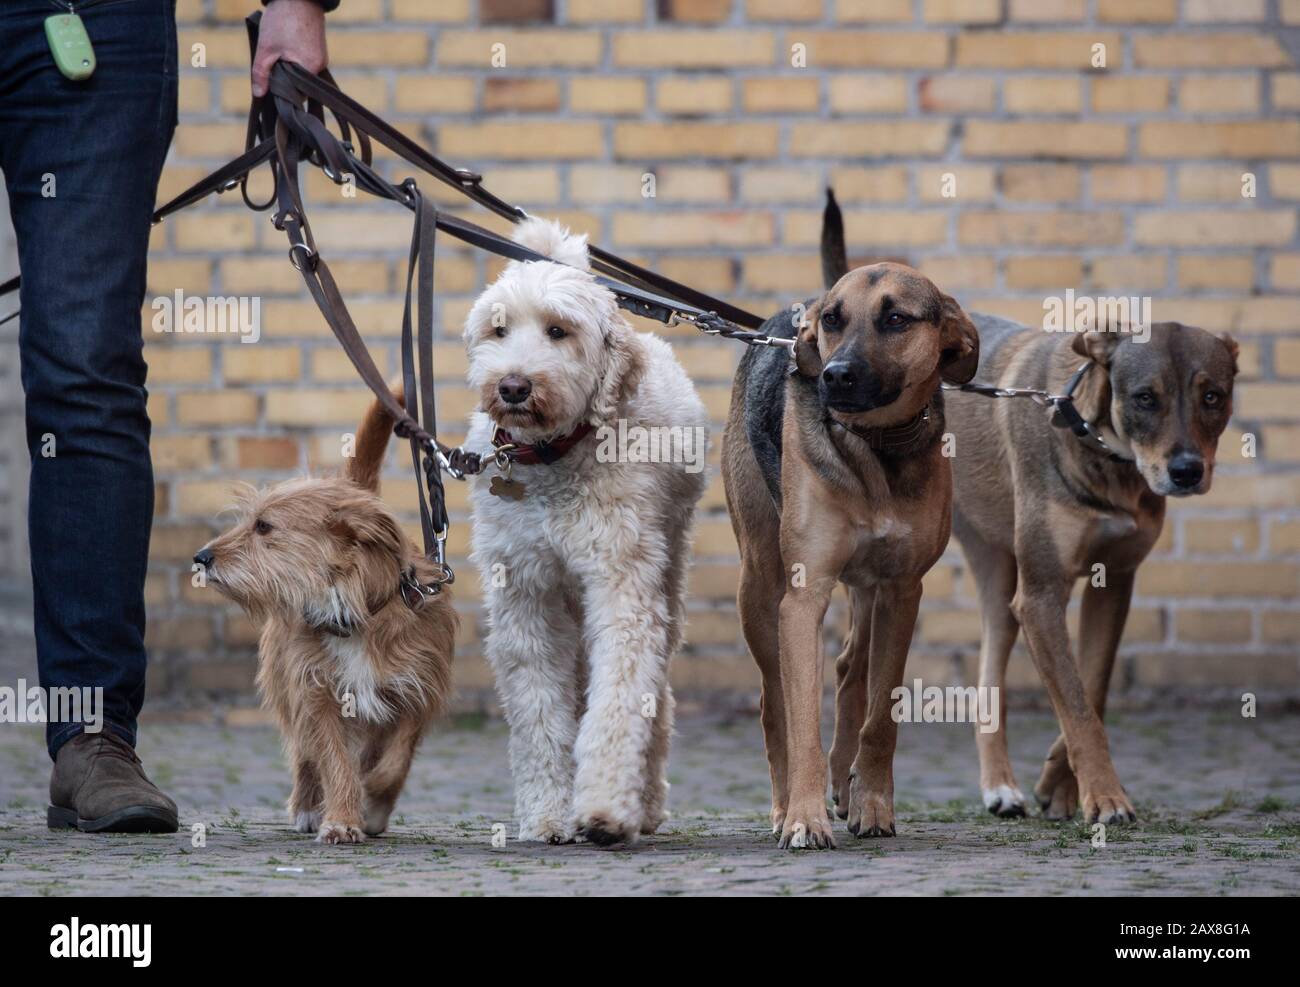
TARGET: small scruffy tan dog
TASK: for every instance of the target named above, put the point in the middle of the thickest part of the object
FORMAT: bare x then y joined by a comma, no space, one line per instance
353,664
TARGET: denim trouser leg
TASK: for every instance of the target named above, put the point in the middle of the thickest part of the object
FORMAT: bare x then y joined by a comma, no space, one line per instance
81,162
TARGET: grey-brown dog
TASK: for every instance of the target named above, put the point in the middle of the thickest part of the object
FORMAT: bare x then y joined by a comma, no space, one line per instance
834,472
1037,507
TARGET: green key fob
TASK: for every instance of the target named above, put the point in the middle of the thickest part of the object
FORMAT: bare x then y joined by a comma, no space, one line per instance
70,46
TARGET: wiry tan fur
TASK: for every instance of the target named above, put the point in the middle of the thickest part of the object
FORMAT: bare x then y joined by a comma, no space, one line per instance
318,554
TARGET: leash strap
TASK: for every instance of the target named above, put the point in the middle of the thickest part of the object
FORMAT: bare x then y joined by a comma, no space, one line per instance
642,291
295,131
6,287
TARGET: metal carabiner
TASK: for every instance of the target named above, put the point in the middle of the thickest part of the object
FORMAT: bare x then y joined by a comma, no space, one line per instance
444,461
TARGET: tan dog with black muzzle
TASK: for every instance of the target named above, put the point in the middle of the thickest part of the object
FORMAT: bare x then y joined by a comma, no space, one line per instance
834,472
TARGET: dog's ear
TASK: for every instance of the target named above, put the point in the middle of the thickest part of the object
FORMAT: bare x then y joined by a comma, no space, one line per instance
959,341
1098,345
624,364
374,561
1233,350
807,357
367,526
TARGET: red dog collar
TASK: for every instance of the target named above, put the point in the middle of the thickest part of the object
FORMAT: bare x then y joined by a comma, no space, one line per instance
542,452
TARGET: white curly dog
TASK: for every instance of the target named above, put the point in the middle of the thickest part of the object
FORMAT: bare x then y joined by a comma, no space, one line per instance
583,552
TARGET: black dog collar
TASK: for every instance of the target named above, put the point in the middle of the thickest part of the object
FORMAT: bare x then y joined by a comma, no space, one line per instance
890,438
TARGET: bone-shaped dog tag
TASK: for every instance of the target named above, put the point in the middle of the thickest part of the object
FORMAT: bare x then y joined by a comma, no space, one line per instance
506,488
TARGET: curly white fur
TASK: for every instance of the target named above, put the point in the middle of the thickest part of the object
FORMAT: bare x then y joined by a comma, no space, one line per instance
584,578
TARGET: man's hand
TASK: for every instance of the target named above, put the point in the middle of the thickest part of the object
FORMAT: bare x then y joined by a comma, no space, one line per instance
293,30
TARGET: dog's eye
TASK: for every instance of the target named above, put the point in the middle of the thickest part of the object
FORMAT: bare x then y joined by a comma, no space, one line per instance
500,332
555,332
830,320
1144,400
896,319
1212,399
261,527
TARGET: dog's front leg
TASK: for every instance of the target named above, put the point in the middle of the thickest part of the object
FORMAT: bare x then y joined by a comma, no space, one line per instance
307,798
871,789
654,797
533,648
340,774
1039,605
627,641
388,756
803,609
1101,625
850,697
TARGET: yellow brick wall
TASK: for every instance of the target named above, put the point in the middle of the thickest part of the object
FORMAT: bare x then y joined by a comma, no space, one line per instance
1120,179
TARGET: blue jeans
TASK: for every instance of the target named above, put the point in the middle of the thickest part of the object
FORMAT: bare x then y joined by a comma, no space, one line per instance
81,161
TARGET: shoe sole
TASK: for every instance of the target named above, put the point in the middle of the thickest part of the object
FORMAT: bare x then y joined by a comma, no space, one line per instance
132,819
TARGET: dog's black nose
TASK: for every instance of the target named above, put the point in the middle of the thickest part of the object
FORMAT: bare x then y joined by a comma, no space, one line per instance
515,389
840,377
1186,470
204,557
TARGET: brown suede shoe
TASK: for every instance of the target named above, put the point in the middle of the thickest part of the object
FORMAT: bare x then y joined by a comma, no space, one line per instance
99,786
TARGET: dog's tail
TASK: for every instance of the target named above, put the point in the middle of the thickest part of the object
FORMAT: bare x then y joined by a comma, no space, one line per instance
835,258
372,443
554,240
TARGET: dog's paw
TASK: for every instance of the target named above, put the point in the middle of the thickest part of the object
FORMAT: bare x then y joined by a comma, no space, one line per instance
305,821
778,820
652,820
870,813
1057,776
602,829
547,831
1059,801
333,833
840,795
807,826
1005,801
1110,809
374,818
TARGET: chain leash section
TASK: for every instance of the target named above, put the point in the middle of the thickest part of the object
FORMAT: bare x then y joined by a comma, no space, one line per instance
712,324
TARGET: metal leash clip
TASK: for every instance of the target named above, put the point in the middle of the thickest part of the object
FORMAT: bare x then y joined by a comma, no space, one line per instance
1038,397
415,593
447,466
445,575
501,457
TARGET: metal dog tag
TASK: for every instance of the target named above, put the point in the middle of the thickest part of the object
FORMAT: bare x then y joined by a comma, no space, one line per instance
502,486
70,46
506,488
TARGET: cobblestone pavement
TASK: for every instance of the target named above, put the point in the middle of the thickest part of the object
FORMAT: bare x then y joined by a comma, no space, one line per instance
1219,798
